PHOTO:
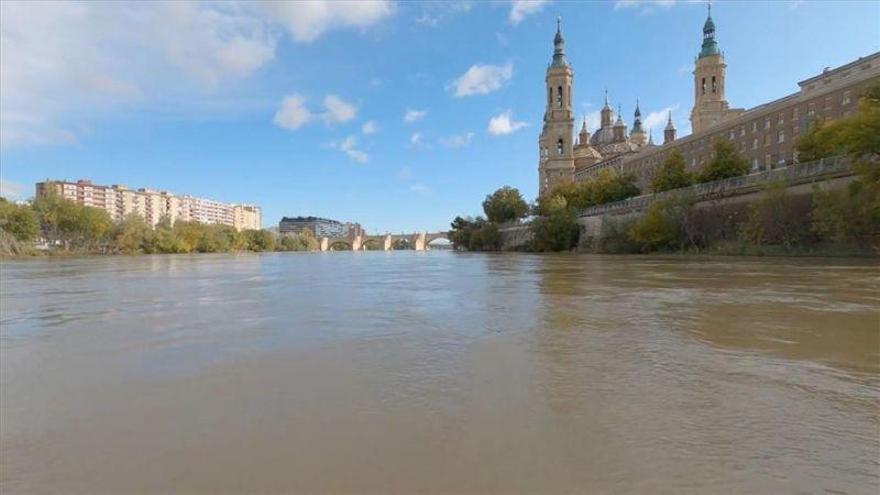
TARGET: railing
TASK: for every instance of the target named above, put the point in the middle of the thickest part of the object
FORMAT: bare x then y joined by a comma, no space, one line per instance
792,174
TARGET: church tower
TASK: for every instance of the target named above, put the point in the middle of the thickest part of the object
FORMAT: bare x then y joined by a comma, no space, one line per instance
710,107
556,162
669,131
637,135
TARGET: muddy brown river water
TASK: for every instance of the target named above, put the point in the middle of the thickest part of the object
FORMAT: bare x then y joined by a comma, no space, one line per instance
438,372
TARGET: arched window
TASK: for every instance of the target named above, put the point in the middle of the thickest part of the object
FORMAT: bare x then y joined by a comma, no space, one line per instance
559,96
559,146
704,86
713,84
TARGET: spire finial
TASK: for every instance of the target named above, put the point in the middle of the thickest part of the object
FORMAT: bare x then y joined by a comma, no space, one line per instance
606,97
559,20
710,8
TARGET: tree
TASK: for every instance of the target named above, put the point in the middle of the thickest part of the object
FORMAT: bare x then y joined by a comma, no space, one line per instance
726,163
815,143
259,240
672,174
504,205
857,136
19,220
460,232
132,234
557,228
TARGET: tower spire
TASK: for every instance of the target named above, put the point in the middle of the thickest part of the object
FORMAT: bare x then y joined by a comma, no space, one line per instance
669,131
710,46
559,46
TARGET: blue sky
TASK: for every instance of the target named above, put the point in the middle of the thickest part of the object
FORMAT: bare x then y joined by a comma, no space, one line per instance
398,115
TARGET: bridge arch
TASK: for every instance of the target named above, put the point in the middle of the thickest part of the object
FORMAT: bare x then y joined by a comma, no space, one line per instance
339,245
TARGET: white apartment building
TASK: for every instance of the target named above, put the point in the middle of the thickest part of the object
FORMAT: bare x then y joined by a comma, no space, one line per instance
153,205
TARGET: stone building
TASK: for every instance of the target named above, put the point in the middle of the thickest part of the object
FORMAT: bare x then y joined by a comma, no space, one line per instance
153,206
765,135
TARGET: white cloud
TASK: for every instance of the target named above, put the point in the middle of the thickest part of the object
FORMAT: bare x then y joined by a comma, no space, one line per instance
348,147
293,113
61,63
626,4
657,120
503,124
482,79
414,115
427,20
65,64
458,140
10,190
338,110
519,9
416,139
370,127
306,21
434,12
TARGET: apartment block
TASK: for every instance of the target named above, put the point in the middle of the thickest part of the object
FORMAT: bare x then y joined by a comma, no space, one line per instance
153,205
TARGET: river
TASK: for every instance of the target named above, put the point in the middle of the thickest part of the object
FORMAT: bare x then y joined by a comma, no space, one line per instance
439,372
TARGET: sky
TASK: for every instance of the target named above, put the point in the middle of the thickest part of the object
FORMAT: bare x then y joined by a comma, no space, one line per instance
397,115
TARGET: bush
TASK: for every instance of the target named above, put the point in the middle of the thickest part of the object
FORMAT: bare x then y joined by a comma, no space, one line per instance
775,219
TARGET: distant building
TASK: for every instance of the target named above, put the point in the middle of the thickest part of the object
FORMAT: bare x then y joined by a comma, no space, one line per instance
319,227
765,135
151,205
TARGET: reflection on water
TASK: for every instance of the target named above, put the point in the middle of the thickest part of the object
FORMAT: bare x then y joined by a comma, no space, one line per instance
439,372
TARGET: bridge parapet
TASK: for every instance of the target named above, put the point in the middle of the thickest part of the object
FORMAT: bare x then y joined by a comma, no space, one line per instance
420,241
792,175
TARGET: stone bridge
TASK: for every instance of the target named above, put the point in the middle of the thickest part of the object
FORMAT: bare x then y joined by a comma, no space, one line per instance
419,241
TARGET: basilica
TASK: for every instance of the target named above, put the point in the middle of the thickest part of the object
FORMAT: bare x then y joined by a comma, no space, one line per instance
564,157
765,135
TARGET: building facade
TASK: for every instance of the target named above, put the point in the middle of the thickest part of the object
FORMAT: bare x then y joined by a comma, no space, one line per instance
319,227
152,205
765,135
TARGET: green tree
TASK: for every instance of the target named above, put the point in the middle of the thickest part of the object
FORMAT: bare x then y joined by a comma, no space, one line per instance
857,136
815,143
460,232
504,205
672,174
259,240
557,228
726,163
19,220
132,234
